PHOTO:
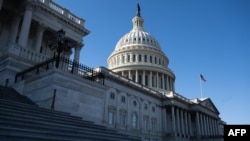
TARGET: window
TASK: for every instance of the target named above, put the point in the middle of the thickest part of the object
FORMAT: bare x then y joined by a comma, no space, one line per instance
134,121
128,59
123,99
153,109
153,125
134,103
151,59
145,106
155,60
112,95
145,58
123,119
146,124
134,58
111,117
140,58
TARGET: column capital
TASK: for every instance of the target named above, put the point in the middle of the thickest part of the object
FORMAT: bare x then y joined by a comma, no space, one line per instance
30,5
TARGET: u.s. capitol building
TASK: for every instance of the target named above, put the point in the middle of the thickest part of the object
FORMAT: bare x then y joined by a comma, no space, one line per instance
135,95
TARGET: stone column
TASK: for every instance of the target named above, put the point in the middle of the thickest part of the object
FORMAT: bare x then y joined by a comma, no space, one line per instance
178,120
173,120
24,33
213,125
77,53
157,80
205,124
164,118
163,82
173,86
190,130
201,124
182,122
129,74
1,4
150,79
143,77
13,30
136,75
208,125
39,37
186,123
128,122
167,82
216,127
197,121
126,58
170,84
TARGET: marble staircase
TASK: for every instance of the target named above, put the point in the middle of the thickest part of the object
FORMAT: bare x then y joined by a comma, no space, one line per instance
23,120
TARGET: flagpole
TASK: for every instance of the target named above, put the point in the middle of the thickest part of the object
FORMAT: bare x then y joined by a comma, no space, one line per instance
201,88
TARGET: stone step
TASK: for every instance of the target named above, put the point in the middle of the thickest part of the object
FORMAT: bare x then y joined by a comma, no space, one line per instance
30,116
17,130
13,95
15,106
22,120
6,120
20,134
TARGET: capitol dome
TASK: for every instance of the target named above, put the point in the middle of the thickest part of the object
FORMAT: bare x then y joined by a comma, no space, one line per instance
137,36
138,56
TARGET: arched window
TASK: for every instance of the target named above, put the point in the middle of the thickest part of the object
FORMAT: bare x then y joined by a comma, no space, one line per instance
145,58
128,58
139,57
134,58
123,116
134,121
134,103
146,123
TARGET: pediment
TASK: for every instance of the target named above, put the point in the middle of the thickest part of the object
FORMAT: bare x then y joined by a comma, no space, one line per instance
207,103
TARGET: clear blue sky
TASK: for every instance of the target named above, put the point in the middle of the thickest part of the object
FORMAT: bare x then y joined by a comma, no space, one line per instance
209,37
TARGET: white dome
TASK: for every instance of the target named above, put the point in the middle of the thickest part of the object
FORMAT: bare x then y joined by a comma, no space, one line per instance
138,57
137,36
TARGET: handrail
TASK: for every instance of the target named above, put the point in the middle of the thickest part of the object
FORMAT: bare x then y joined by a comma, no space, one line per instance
65,65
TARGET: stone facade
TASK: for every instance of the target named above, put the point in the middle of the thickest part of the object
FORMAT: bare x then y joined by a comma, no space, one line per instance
135,95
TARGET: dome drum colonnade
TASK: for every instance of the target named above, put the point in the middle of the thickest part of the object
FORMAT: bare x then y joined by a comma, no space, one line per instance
138,56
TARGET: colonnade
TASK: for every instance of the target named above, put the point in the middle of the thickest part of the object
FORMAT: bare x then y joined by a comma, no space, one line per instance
207,125
21,37
126,58
183,123
150,78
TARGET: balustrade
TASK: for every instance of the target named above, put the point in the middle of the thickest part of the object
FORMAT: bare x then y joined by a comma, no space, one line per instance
26,53
57,8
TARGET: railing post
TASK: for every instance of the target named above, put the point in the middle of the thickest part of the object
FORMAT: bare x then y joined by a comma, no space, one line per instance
53,100
7,82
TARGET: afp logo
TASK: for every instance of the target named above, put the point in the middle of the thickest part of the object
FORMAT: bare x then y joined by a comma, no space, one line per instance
241,132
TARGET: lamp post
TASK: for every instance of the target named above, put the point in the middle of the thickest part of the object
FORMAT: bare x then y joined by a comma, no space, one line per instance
60,40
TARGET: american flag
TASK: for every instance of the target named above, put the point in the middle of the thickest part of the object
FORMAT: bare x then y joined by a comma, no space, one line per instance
202,78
